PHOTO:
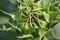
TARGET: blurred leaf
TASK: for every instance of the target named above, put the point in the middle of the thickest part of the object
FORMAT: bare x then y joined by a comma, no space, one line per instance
45,38
7,35
8,6
18,1
26,2
11,15
46,16
4,20
58,16
56,31
26,26
37,38
13,1
44,2
35,26
25,36
43,23
49,38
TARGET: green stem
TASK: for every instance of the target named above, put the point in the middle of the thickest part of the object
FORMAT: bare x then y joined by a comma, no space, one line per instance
15,26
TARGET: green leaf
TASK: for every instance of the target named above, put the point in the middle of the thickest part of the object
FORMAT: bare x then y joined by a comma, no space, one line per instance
8,5
4,20
43,23
56,31
58,16
49,38
37,38
25,36
7,35
13,1
11,15
18,1
46,16
26,2
26,26
35,26
44,2
45,38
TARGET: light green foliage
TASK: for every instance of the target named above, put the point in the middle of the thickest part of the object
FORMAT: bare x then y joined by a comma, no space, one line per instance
33,19
58,16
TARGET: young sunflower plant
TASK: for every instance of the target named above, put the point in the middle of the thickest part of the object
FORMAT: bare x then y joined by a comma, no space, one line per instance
32,20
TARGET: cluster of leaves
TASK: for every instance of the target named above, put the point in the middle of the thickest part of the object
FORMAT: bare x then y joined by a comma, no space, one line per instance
30,19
